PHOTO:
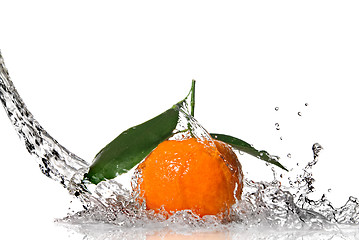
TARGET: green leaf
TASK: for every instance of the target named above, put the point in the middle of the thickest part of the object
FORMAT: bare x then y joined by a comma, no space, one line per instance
132,146
248,148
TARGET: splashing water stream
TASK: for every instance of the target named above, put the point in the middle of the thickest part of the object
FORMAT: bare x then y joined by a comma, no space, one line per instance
264,205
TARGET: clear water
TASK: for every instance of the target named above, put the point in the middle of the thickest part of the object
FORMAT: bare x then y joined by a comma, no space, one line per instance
109,210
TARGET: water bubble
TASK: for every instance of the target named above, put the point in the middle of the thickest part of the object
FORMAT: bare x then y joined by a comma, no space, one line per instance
329,190
306,104
277,126
289,155
299,114
276,108
281,138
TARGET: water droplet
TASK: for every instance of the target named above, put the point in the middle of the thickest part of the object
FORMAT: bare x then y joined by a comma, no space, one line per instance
306,104
281,138
276,108
289,155
299,114
277,126
316,149
329,190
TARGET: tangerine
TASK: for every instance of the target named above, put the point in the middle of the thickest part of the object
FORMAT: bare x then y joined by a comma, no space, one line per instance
190,174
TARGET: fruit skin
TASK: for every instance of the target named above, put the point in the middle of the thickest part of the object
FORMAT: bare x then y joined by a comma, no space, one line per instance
189,174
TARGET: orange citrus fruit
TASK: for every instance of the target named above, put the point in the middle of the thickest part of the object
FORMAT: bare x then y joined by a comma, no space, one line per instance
190,174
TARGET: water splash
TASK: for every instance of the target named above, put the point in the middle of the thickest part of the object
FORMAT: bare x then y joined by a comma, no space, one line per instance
264,205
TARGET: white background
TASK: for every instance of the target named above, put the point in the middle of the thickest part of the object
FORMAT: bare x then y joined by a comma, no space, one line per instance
88,70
